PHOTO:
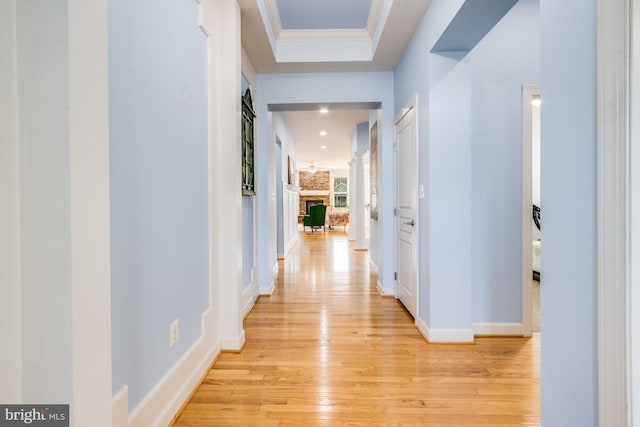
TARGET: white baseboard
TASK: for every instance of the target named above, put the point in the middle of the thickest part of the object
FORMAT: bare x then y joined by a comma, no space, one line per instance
233,343
373,267
515,329
162,403
249,297
444,335
385,292
268,290
290,246
275,269
280,256
120,408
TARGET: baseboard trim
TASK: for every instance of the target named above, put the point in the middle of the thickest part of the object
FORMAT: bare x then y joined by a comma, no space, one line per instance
275,269
385,292
498,329
249,296
445,336
120,407
373,267
268,290
162,403
290,246
233,343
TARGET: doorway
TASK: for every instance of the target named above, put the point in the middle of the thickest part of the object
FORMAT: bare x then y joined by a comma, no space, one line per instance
406,266
531,210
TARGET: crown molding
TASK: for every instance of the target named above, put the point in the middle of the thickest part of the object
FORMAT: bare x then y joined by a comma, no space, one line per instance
374,16
324,45
274,17
324,35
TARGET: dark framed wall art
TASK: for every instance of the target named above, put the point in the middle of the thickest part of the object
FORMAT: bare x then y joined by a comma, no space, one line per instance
374,171
248,117
291,171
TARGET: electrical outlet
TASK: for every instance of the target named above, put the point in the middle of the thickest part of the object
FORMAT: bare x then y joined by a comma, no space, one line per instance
174,333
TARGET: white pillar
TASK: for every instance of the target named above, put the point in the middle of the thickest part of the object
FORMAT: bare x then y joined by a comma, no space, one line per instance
63,145
361,240
10,302
352,200
221,21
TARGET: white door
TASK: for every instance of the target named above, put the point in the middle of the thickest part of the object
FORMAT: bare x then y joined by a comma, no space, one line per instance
405,218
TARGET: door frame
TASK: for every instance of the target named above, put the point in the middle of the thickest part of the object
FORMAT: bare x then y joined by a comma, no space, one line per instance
617,345
412,104
528,94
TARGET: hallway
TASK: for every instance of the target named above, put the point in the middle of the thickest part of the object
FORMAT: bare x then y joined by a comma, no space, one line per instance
327,349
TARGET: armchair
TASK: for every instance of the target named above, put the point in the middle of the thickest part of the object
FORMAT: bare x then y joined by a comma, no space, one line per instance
316,217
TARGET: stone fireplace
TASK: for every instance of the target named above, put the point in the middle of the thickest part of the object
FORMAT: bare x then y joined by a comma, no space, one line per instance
306,201
314,188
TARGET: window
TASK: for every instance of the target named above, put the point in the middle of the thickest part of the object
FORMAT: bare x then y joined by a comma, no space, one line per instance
340,192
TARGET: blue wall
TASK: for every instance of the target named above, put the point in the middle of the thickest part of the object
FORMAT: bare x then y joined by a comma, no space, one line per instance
363,142
318,88
507,58
413,76
248,235
158,155
569,388
469,136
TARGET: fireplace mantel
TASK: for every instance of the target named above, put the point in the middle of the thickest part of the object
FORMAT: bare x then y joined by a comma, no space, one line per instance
315,192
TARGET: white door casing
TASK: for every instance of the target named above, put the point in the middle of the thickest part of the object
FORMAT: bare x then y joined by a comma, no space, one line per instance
617,56
528,93
406,230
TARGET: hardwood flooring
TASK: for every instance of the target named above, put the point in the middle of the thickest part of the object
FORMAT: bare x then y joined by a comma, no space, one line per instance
326,349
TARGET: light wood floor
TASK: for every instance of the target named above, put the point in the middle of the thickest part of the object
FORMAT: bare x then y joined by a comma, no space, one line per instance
327,349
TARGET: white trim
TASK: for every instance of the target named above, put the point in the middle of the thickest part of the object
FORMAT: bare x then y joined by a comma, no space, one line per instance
289,246
384,291
613,182
324,35
528,92
267,291
274,17
373,267
201,23
374,17
443,336
164,401
411,105
515,329
249,296
633,283
233,343
120,408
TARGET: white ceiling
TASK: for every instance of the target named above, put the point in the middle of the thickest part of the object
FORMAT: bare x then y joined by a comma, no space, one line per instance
306,126
395,26
327,36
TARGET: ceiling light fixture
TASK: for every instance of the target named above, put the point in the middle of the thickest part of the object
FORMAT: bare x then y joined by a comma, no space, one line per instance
324,147
324,110
323,133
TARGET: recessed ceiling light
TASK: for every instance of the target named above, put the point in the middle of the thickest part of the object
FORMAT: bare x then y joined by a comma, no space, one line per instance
324,110
323,133
324,147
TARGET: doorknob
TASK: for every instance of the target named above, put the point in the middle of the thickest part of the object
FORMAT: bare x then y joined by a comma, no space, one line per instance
411,223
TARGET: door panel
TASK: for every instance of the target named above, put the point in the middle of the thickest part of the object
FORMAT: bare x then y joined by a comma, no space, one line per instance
405,236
